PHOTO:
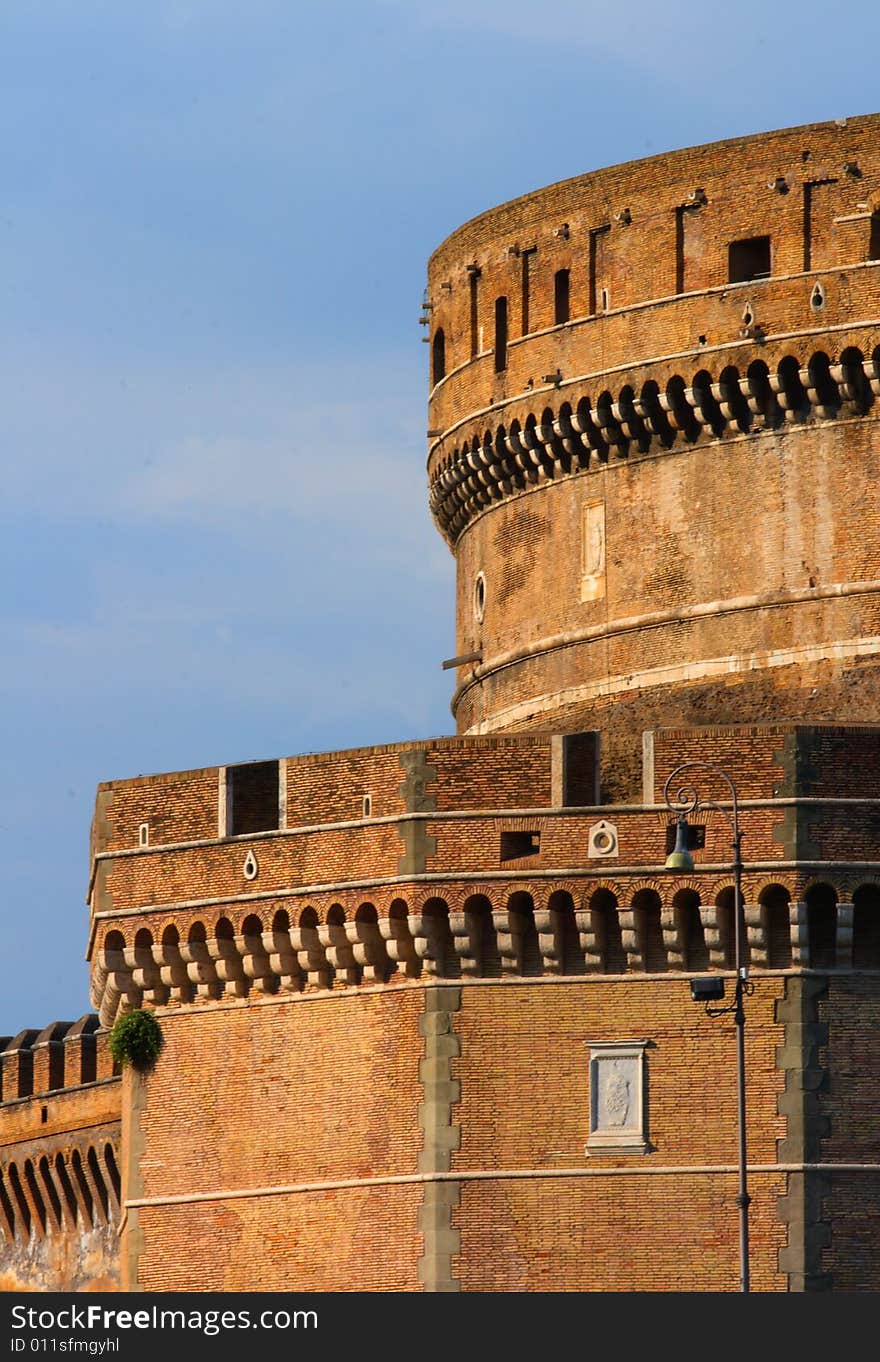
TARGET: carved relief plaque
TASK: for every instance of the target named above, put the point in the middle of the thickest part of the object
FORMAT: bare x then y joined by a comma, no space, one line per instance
617,1098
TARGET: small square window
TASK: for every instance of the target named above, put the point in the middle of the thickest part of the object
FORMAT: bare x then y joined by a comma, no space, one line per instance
748,259
517,844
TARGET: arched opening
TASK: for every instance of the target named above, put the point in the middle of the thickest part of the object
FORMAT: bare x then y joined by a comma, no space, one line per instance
761,399
51,1192
605,924
775,902
522,923
706,403
408,963
680,410
854,385
114,941
732,399
725,908
113,1171
252,929
826,390
98,1182
7,1210
565,930
440,934
36,1197
481,929
438,356
82,1185
866,927
66,1187
377,964
689,925
793,395
649,930
654,415
21,1203
821,901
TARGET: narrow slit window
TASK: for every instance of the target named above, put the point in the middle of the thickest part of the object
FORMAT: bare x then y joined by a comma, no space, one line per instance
438,356
561,296
874,238
679,249
526,266
474,274
500,335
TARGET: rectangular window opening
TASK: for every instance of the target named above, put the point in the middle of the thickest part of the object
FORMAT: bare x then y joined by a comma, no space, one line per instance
748,259
252,798
696,836
517,844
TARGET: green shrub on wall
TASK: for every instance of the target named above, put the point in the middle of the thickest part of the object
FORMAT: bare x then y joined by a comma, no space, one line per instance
136,1039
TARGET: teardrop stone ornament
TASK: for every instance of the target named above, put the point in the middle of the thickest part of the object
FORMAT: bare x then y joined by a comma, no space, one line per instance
250,869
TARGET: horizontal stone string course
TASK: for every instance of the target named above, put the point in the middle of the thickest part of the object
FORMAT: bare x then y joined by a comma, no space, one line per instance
521,939
494,464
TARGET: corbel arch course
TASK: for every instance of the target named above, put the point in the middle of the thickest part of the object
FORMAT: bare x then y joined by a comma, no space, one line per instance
673,405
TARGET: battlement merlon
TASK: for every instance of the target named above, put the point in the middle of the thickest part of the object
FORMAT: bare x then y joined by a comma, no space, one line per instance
61,1057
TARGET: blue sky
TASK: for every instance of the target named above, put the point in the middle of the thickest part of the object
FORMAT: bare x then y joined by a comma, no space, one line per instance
214,228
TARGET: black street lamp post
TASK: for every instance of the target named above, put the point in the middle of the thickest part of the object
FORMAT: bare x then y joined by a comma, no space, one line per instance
687,800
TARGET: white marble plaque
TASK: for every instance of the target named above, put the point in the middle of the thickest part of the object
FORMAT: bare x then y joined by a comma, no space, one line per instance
593,551
617,1098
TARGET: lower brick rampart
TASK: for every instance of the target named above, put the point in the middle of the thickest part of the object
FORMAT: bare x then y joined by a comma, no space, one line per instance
440,1143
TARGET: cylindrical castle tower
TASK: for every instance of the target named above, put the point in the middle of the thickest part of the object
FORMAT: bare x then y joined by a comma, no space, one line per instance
653,442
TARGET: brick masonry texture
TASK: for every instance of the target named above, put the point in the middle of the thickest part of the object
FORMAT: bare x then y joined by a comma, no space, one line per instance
730,581
382,974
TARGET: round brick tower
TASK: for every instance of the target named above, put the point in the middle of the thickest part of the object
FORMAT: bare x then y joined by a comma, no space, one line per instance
653,442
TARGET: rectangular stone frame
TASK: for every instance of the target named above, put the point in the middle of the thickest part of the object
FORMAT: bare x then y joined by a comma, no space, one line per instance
618,1115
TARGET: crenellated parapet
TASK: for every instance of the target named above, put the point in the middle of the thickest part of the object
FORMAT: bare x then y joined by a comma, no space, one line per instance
63,1055
60,1184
